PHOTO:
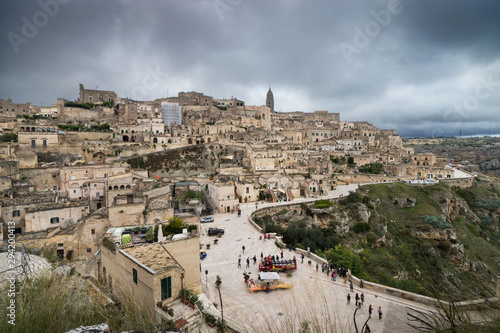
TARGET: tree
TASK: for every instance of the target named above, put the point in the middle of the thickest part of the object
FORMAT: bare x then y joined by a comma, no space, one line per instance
350,160
8,137
343,256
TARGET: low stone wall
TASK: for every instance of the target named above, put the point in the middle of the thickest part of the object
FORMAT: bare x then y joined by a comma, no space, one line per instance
460,182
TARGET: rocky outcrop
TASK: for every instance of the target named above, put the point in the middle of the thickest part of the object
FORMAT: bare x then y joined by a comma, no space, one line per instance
438,234
363,213
404,202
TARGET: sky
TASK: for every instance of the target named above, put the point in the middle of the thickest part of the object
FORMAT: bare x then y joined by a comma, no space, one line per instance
424,68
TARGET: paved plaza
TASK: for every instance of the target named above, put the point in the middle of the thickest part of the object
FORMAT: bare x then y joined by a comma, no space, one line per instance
314,297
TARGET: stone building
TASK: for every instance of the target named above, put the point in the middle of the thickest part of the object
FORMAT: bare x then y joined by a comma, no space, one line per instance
151,273
221,195
10,109
95,96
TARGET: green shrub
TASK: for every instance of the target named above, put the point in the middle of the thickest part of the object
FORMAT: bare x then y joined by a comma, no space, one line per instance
436,221
306,209
8,137
373,168
320,204
361,227
209,318
342,256
88,106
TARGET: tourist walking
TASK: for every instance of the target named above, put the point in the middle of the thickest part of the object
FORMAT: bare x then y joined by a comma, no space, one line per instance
351,287
348,298
317,266
357,299
261,255
281,254
367,329
362,297
254,259
239,262
302,257
243,248
370,310
248,262
379,312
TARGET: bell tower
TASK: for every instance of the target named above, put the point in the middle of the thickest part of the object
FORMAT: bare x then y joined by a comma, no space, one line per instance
270,99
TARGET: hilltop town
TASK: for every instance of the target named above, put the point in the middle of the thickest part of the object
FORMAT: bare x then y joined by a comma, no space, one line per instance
118,189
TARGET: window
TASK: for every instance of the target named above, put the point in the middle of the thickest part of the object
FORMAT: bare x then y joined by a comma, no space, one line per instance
228,197
54,220
101,99
90,98
54,187
73,177
33,143
86,176
134,273
60,244
105,175
89,250
16,213
44,143
92,231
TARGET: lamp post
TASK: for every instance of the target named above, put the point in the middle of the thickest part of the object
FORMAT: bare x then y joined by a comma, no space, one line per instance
206,278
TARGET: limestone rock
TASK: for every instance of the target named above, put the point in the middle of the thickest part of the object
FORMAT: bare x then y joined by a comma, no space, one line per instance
62,270
404,202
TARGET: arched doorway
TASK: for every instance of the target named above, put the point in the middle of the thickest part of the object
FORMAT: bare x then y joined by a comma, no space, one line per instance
99,156
125,138
190,141
155,140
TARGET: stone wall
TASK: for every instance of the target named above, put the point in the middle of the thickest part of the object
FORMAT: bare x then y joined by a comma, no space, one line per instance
460,182
187,253
126,215
41,220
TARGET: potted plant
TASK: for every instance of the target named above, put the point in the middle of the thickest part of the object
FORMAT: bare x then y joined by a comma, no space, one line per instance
215,241
185,296
208,246
193,299
170,312
210,320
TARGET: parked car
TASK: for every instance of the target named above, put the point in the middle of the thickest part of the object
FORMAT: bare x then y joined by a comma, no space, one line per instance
215,231
207,219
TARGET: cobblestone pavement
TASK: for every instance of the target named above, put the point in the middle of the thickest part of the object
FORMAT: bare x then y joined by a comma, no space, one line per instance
314,297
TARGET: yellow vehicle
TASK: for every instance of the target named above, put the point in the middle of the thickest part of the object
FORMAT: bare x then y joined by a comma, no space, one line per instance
268,281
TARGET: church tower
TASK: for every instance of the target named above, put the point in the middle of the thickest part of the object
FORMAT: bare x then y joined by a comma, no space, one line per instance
270,99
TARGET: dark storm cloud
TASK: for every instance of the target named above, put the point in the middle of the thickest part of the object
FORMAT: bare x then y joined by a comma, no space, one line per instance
417,70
